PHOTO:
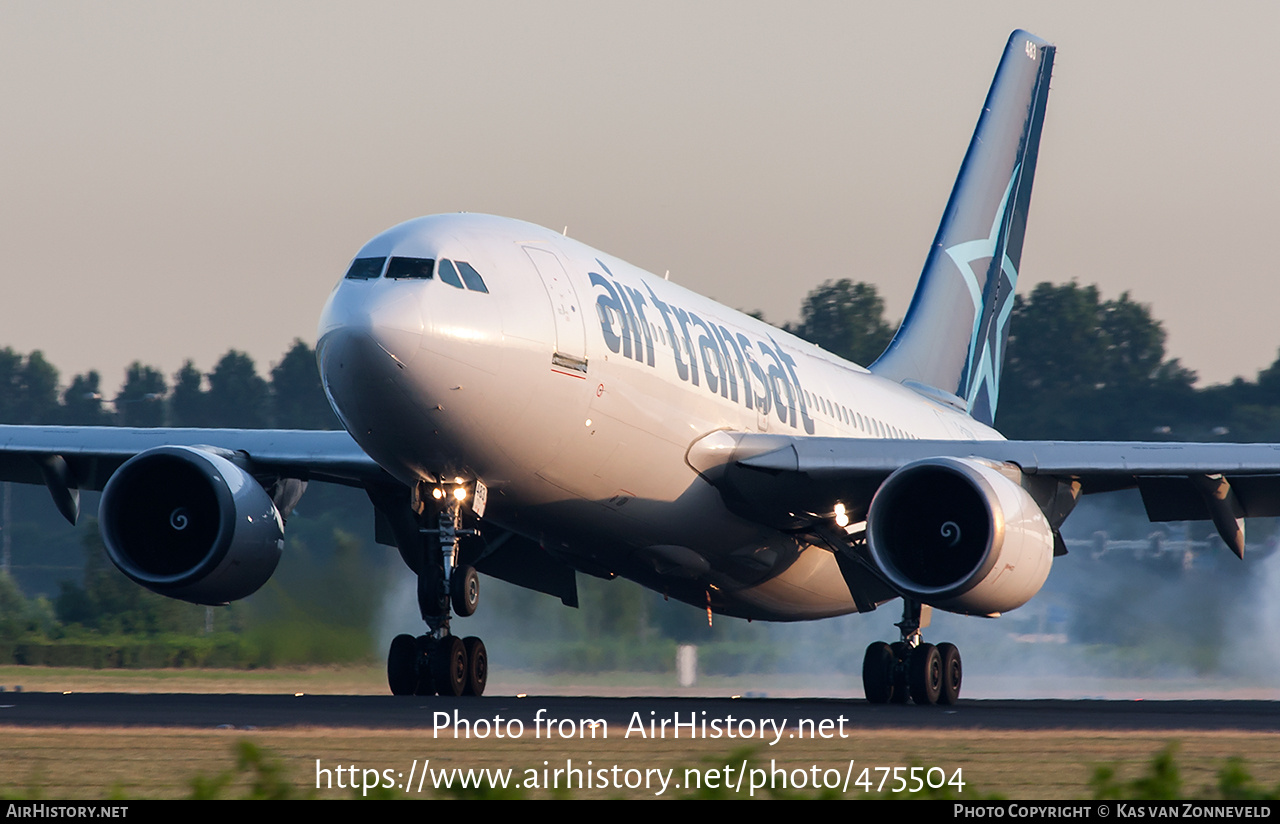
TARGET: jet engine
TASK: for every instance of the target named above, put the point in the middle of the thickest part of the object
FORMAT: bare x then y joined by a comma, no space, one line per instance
960,535
190,524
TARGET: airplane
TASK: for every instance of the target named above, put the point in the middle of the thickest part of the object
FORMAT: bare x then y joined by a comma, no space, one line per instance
521,405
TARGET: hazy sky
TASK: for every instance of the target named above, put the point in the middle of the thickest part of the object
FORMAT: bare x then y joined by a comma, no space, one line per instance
178,179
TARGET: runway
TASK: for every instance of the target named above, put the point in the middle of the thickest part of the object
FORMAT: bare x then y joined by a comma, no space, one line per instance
575,713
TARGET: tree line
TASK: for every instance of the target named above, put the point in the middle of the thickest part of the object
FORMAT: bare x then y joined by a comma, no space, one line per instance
1077,367
232,394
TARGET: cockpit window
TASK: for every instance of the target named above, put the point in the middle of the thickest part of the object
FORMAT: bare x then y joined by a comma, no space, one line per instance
471,277
407,267
449,275
365,268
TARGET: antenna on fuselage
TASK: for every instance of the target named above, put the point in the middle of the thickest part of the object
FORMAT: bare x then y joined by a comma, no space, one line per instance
565,233
667,276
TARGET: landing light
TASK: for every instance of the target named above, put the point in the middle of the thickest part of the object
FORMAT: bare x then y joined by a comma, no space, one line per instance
437,493
460,493
842,516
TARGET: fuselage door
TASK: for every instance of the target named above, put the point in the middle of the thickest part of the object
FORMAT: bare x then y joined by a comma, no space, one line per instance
570,335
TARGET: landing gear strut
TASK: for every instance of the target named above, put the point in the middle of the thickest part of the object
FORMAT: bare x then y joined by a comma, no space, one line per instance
911,668
440,662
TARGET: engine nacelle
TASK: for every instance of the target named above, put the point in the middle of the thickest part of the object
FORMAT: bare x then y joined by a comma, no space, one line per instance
190,524
959,535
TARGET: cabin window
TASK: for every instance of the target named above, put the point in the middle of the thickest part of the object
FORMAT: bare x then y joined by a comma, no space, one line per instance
450,275
471,277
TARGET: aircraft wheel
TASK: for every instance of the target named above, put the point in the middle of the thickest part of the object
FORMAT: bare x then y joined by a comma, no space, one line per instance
477,666
425,684
877,673
449,666
402,665
432,600
465,583
924,672
901,652
951,672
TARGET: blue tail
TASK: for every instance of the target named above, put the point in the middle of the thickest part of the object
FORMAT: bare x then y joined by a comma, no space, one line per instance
954,333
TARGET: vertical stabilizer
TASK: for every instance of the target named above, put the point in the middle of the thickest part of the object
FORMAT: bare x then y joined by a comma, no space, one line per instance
954,333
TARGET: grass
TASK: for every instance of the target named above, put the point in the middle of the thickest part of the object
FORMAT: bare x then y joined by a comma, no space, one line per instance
371,679
359,680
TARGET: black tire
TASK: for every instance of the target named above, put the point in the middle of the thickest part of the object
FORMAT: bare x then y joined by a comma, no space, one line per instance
924,673
477,666
901,652
449,666
432,599
425,683
877,673
402,665
951,674
465,586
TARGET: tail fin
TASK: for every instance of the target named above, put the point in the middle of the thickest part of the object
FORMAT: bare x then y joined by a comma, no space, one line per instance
954,333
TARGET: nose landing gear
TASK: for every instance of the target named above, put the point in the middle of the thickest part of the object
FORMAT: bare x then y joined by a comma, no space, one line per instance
911,668
440,662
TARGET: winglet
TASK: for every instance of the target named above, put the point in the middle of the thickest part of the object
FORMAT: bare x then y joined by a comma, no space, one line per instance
954,333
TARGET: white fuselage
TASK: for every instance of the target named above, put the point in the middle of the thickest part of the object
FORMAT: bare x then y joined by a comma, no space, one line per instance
574,388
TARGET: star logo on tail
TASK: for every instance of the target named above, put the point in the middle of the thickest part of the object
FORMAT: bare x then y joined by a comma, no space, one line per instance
991,289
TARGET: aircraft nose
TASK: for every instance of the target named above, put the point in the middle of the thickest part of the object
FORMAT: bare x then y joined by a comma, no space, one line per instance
369,335
368,338
393,319
378,324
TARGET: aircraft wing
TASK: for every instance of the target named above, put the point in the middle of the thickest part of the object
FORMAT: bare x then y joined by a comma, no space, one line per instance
68,459
789,480
71,458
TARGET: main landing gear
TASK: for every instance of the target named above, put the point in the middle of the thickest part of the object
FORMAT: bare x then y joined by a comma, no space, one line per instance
440,662
911,668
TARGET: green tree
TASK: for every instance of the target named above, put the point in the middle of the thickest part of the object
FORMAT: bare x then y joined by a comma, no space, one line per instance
1080,367
845,318
1269,383
189,405
16,613
109,602
238,397
82,402
297,394
141,399
321,605
28,388
40,387
1243,411
10,385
